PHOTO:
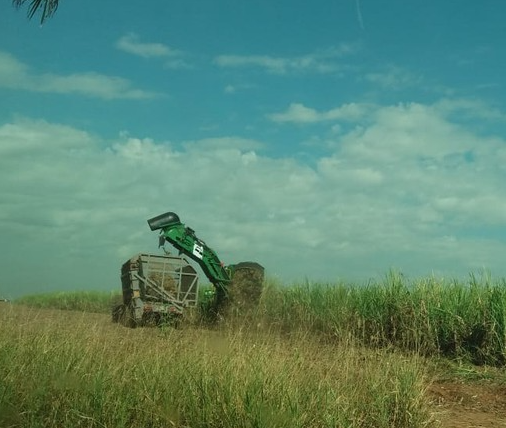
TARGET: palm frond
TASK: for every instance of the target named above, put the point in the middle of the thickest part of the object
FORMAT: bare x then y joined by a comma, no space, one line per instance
47,7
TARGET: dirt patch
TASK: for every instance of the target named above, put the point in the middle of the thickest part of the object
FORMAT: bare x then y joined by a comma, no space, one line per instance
463,405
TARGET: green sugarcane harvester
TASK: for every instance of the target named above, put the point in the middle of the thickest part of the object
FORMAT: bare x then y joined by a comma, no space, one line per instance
160,287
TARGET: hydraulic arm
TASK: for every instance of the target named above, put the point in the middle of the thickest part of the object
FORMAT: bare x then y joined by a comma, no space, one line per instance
184,239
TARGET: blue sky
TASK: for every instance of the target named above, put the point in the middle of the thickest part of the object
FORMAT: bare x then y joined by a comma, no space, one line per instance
326,140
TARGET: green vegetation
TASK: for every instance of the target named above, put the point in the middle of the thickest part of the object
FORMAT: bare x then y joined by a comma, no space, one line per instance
65,369
310,355
429,316
85,301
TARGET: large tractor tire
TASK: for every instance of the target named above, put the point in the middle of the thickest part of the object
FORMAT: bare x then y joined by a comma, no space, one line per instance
117,313
123,314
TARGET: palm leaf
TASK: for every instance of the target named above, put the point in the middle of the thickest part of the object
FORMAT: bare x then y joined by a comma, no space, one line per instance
47,7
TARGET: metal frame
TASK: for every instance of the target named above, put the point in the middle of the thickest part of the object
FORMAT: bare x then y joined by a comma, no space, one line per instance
145,279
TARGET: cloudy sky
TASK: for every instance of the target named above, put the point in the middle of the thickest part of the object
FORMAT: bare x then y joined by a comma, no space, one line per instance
331,139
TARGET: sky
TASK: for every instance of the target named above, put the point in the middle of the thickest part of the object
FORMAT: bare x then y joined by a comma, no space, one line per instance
327,140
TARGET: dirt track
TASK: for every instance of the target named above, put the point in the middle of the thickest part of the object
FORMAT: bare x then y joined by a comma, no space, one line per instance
463,405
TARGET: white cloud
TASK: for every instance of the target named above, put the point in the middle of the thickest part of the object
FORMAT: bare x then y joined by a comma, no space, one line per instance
223,143
173,58
12,71
411,130
394,78
235,88
16,75
275,65
130,43
400,191
469,109
318,62
29,138
298,113
177,64
359,15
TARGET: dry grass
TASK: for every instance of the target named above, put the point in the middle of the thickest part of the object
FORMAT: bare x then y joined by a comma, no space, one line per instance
67,369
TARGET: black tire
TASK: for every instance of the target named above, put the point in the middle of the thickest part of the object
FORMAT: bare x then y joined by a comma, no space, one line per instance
117,313
128,319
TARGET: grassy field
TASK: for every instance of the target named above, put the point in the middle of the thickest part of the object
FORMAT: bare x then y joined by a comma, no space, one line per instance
70,369
311,355
429,316
85,301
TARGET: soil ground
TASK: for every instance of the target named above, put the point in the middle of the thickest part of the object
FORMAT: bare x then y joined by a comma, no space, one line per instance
469,405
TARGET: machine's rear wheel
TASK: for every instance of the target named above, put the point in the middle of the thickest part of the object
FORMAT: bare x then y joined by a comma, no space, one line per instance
127,317
117,312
